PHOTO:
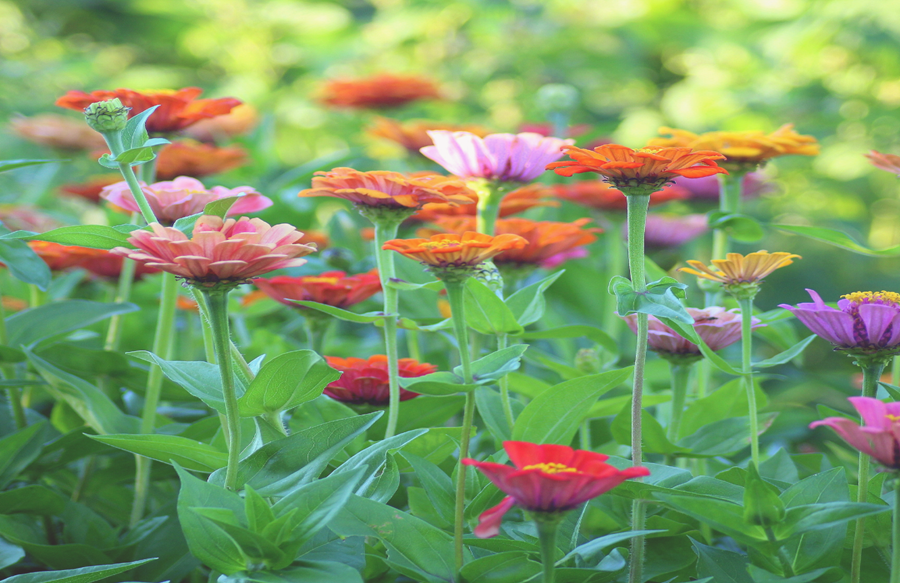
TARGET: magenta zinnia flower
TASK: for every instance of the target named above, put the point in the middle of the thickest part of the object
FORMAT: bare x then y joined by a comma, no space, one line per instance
219,251
718,327
673,230
865,323
175,199
879,438
504,157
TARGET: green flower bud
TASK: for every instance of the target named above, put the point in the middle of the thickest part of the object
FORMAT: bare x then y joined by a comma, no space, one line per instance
762,505
588,361
488,274
107,116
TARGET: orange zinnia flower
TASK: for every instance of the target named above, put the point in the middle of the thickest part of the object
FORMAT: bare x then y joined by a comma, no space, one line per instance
237,122
57,131
195,159
413,135
741,274
378,91
639,171
886,162
743,150
517,201
393,190
186,304
99,262
177,109
450,252
334,288
600,195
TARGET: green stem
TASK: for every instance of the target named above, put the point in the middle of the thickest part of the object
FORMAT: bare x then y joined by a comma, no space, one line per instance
729,202
783,557
315,329
547,530
614,264
133,185
274,419
162,347
457,308
895,372
895,552
871,376
13,394
746,305
584,435
490,195
502,341
385,230
412,345
680,375
35,296
217,301
123,292
205,326
638,521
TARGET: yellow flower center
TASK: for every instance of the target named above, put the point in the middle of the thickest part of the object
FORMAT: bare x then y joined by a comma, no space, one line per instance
893,417
315,279
551,468
439,244
881,297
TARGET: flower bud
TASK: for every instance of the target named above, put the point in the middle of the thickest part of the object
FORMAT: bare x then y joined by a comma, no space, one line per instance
107,116
488,274
762,505
588,361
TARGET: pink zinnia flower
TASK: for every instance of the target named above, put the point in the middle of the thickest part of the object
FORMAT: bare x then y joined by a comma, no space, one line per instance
718,327
175,199
879,438
865,323
673,230
547,478
505,157
227,251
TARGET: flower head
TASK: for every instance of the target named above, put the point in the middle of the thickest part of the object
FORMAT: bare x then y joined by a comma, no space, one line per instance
517,201
718,327
742,273
220,253
98,262
177,109
413,135
886,162
237,122
57,131
600,195
365,381
20,217
753,184
190,158
451,255
503,157
639,171
182,197
91,189
547,479
864,323
673,230
334,288
879,438
379,91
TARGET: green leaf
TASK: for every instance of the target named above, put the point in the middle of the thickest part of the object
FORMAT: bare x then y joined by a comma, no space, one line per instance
135,156
575,331
286,381
7,165
589,552
528,304
94,236
437,485
492,411
723,437
300,571
83,575
729,400
739,227
660,299
375,457
345,315
508,567
838,239
437,384
788,355
486,313
654,436
810,517
10,554
556,414
31,326
135,133
723,566
220,207
19,449
201,379
726,517
24,264
407,286
192,455
495,365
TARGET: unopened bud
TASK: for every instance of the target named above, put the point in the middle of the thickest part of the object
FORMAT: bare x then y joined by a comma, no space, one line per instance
588,361
488,274
762,504
107,116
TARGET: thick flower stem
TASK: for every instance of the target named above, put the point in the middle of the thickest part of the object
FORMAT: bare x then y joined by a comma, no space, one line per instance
614,263
385,230
680,375
783,557
895,529
315,329
162,347
637,222
746,368
457,307
729,202
547,530
502,341
217,302
871,375
490,195
133,185
123,292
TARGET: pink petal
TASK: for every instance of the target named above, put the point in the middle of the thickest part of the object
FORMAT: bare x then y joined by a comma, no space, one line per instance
489,520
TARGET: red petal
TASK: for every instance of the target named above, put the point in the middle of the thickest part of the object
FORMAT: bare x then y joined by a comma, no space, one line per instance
489,520
699,171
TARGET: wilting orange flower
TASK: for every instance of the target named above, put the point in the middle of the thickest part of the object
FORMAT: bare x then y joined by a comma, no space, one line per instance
190,158
737,268
365,380
334,288
741,149
517,201
57,131
646,169
413,135
99,262
457,251
381,188
600,195
26,218
378,91
886,162
545,240
92,188
237,122
177,109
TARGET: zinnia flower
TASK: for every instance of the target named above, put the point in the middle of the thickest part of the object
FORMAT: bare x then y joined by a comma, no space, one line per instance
547,479
752,185
388,189
182,197
503,157
886,162
365,381
413,135
237,122
639,171
863,323
98,262
18,217
378,91
195,159
177,109
219,252
57,131
718,327
673,230
741,275
600,195
517,201
455,252
879,438
91,189
334,288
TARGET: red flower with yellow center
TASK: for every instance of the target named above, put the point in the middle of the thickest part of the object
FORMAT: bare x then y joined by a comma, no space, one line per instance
177,109
334,288
517,201
378,91
639,171
365,381
99,262
195,159
413,135
547,479
600,195
393,190
465,250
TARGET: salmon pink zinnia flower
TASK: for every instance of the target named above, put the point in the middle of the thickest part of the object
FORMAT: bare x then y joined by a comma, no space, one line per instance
547,479
452,251
879,438
365,381
334,288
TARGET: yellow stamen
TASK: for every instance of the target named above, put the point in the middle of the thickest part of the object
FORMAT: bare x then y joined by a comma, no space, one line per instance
550,468
439,244
873,297
893,417
315,279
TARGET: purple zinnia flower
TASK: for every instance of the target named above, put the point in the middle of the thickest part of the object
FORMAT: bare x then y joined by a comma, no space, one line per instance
504,157
866,322
673,230
879,438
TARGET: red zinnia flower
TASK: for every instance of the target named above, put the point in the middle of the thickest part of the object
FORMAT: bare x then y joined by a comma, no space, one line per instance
365,381
195,159
177,109
378,91
334,288
547,478
600,195
99,262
